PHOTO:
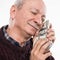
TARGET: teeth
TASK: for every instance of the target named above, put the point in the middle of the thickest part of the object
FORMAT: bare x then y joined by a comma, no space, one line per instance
33,25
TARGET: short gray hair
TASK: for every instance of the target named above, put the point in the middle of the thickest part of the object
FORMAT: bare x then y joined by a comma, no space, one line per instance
19,3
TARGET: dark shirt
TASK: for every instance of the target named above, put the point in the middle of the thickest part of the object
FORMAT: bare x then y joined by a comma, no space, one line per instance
11,39
11,49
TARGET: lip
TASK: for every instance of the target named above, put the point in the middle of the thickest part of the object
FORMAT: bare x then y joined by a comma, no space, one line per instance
33,25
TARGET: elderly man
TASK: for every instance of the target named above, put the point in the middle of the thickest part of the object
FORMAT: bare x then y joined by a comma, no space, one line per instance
26,18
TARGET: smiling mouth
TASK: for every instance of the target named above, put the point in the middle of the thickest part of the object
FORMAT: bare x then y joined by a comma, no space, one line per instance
33,25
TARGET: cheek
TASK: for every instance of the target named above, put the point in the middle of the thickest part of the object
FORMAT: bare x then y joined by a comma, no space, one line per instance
23,16
22,22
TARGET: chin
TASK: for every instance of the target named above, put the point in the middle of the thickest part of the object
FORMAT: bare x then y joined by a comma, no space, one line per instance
31,33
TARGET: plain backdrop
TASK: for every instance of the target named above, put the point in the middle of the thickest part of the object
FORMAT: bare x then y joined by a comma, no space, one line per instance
53,14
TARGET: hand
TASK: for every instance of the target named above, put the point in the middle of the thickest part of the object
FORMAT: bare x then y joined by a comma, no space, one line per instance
51,34
39,49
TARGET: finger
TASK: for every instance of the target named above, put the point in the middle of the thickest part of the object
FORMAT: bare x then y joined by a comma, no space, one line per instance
45,46
35,44
43,41
50,30
46,51
38,44
52,38
36,34
47,55
52,33
50,25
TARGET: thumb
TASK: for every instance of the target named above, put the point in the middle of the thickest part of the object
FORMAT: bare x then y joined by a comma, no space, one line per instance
35,37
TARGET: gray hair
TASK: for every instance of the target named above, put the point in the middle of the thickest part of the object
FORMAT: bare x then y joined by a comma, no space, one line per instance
19,3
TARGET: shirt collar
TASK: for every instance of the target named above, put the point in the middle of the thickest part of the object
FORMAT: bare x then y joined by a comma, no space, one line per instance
11,39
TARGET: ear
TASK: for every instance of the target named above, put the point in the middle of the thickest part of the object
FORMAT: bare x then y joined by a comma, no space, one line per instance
13,11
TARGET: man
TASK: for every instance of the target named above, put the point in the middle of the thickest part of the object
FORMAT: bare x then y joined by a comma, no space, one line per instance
26,18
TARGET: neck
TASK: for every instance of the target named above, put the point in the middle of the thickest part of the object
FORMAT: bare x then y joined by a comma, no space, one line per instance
17,35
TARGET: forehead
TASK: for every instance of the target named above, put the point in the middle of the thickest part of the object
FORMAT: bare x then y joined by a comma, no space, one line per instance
36,4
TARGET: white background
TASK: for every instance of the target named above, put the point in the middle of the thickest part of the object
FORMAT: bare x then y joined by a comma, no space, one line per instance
53,14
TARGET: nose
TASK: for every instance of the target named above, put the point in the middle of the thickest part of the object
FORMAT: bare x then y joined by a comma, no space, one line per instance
38,20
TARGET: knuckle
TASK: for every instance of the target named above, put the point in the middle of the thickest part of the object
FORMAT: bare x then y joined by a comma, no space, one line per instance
35,53
49,54
43,48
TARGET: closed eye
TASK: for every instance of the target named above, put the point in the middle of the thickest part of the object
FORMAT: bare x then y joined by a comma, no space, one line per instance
34,13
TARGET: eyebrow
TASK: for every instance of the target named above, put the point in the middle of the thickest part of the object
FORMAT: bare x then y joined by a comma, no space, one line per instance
39,12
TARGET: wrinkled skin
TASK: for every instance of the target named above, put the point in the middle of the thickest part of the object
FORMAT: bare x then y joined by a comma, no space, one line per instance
26,22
